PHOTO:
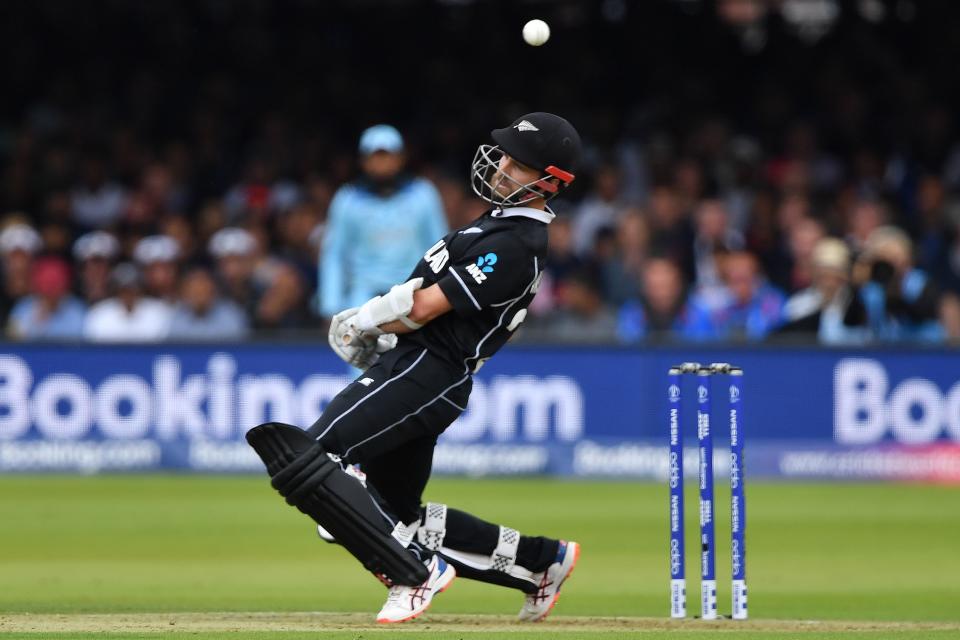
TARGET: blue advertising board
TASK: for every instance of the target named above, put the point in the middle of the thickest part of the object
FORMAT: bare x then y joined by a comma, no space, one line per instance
807,413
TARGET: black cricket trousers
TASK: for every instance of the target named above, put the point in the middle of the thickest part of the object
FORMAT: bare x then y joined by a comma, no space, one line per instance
388,421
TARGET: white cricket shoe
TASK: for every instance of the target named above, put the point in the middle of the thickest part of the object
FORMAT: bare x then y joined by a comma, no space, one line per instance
538,605
406,603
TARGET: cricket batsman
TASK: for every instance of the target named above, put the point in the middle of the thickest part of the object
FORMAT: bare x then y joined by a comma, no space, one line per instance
419,346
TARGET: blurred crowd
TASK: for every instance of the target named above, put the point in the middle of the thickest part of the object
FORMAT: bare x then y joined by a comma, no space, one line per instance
128,215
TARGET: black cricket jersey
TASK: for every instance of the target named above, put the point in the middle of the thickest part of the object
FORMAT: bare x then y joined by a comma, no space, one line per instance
489,270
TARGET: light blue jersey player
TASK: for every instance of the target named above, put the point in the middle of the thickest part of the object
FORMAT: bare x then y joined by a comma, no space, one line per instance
378,226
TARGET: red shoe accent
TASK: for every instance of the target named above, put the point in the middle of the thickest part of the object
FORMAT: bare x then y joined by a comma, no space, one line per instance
419,613
556,596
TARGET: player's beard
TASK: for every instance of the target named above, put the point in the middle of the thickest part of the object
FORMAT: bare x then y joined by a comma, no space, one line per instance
503,185
385,185
490,183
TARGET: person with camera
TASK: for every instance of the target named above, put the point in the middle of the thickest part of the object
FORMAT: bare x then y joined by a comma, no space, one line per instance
900,301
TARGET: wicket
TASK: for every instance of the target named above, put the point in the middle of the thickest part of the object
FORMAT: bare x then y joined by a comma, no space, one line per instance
708,578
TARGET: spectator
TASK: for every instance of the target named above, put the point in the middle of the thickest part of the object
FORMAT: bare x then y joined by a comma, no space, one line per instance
946,265
828,309
96,202
202,314
622,272
581,315
660,311
267,289
189,247
901,301
95,252
670,232
865,217
748,308
561,262
54,225
931,224
378,226
300,234
128,316
160,192
802,239
600,208
950,317
50,312
713,237
260,194
18,244
157,258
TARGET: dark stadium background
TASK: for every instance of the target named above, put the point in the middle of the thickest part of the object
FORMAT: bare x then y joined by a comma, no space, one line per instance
210,88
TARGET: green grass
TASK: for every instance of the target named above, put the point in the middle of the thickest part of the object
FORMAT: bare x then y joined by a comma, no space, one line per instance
113,544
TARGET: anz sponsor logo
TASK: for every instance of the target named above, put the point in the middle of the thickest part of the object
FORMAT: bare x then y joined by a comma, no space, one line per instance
219,403
483,266
867,409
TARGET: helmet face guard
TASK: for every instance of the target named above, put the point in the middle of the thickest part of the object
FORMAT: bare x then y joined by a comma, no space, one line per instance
501,190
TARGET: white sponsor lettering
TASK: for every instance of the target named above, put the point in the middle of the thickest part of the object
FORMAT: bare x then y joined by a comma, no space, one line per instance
706,512
703,425
61,406
480,459
15,381
86,457
216,404
674,470
915,411
437,256
674,557
537,398
639,460
208,455
872,463
521,407
478,275
111,394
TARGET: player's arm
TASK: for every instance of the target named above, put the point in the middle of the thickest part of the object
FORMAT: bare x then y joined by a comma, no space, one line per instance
359,334
428,304
405,308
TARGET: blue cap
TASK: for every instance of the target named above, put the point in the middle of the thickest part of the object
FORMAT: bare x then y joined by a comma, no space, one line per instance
381,137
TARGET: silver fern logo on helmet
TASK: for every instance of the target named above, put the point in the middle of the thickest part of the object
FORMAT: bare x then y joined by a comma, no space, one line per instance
525,125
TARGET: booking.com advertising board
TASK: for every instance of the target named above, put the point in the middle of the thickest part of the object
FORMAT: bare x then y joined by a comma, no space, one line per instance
589,412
